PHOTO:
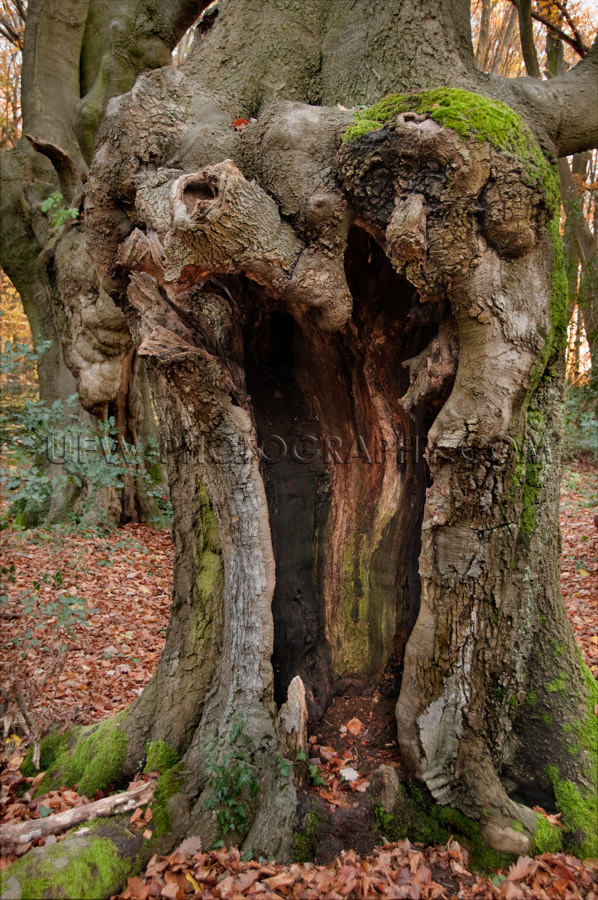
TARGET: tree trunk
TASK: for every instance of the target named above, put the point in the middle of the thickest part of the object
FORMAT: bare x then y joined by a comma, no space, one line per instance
355,351
580,238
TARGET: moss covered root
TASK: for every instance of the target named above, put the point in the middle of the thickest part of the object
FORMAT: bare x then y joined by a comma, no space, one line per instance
417,817
90,758
51,747
94,864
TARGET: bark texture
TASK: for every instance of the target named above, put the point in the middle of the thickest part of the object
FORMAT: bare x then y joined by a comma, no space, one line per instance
314,316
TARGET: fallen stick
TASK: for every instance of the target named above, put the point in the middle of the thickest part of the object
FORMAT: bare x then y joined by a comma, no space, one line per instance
24,832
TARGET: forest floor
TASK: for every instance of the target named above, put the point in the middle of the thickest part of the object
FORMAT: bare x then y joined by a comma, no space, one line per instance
56,669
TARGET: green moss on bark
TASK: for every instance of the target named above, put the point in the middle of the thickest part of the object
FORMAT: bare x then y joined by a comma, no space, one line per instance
209,552
559,303
462,111
167,785
579,804
305,841
469,115
355,643
160,757
558,685
579,815
51,746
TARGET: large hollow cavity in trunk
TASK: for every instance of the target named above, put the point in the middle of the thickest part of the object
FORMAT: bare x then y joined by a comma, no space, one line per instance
345,478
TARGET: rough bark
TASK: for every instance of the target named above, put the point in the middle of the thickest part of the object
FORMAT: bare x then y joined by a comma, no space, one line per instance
398,289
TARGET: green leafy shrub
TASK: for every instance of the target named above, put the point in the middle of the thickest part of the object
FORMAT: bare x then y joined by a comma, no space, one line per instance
57,214
233,785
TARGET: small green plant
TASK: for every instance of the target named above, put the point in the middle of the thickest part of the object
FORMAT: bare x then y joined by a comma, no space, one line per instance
57,214
47,450
315,776
285,766
233,785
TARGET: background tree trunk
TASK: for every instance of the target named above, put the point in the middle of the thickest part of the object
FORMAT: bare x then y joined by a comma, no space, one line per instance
63,100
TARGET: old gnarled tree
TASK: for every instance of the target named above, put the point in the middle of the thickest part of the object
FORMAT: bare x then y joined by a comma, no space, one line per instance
358,285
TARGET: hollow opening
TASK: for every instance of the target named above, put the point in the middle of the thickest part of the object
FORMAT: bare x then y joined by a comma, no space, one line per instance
290,435
345,478
197,193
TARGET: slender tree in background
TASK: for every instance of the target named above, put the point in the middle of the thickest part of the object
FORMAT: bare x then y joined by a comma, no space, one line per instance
344,289
42,247
580,241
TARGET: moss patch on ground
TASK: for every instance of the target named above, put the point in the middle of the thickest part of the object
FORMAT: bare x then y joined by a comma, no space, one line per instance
88,867
547,838
420,819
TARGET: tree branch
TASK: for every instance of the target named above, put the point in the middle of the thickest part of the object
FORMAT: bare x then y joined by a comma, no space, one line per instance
575,41
526,36
585,240
570,21
62,162
565,107
24,832
10,32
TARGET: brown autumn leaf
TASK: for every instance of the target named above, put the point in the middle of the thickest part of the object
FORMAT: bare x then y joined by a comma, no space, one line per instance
137,889
328,753
172,891
354,726
520,869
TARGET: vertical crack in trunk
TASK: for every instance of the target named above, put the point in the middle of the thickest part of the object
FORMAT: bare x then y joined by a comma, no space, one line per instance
345,475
